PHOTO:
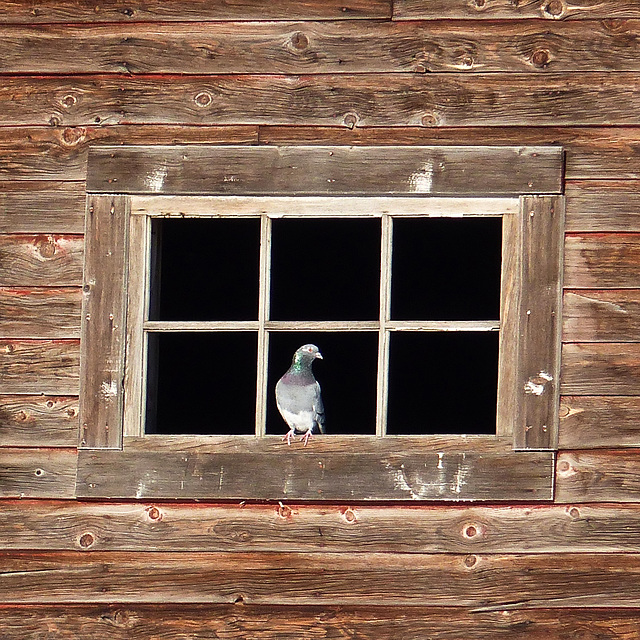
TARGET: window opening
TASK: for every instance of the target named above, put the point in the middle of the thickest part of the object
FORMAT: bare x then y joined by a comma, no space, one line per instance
386,300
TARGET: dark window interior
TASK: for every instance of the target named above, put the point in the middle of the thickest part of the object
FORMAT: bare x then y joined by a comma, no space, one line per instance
326,269
446,269
444,382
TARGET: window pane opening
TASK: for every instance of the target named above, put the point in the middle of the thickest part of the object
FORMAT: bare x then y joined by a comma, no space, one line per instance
202,383
325,269
347,375
442,383
446,268
205,269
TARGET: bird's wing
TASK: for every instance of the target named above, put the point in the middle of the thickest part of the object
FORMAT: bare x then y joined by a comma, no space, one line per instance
318,408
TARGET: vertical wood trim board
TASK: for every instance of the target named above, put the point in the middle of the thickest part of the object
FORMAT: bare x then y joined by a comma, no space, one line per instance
103,322
538,382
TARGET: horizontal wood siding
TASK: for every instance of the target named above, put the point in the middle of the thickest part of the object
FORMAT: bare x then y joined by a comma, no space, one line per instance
340,528
140,622
37,473
473,581
401,100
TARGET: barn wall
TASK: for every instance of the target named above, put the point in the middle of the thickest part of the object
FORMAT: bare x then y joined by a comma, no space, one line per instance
76,74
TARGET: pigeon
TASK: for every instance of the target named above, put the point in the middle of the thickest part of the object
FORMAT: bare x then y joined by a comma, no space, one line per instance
298,395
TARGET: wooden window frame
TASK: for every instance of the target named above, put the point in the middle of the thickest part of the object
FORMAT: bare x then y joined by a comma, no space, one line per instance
128,186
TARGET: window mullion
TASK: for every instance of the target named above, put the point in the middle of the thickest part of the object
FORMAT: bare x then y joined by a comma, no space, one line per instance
263,317
383,332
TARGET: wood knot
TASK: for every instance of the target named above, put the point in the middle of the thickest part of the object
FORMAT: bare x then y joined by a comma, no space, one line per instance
350,516
540,58
47,247
467,60
72,412
574,512
39,472
284,511
299,41
55,121
22,416
471,530
72,135
350,120
154,514
470,561
69,101
564,466
86,540
479,4
553,8
429,120
9,348
203,99
49,404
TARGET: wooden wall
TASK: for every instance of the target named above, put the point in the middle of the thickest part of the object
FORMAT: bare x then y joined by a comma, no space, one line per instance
77,73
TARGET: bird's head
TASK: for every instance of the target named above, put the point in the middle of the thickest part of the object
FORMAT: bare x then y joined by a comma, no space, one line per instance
306,354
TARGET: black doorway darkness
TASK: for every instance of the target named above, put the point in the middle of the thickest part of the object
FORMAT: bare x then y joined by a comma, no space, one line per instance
325,269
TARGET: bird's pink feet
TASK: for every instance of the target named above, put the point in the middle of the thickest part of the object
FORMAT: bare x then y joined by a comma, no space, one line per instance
288,436
305,437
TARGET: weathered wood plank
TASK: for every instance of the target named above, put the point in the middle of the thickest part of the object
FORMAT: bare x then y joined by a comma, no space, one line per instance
540,326
141,622
39,366
60,153
41,153
501,9
351,100
38,421
49,11
603,475
40,260
322,47
475,581
603,206
37,473
307,476
40,313
104,322
607,369
598,152
599,260
595,421
41,207
601,316
317,170
63,525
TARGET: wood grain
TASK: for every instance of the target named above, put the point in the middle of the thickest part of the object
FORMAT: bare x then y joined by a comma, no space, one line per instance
41,206
599,260
339,528
587,422
37,473
603,475
38,421
607,369
598,152
314,170
40,260
41,153
104,322
601,316
501,9
177,10
40,312
322,47
60,153
142,622
540,322
305,476
603,206
49,367
350,100
484,582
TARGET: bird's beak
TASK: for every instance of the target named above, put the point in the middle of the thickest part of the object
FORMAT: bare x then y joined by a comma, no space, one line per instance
319,355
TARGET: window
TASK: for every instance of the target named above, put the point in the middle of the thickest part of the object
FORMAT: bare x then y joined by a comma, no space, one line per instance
444,337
